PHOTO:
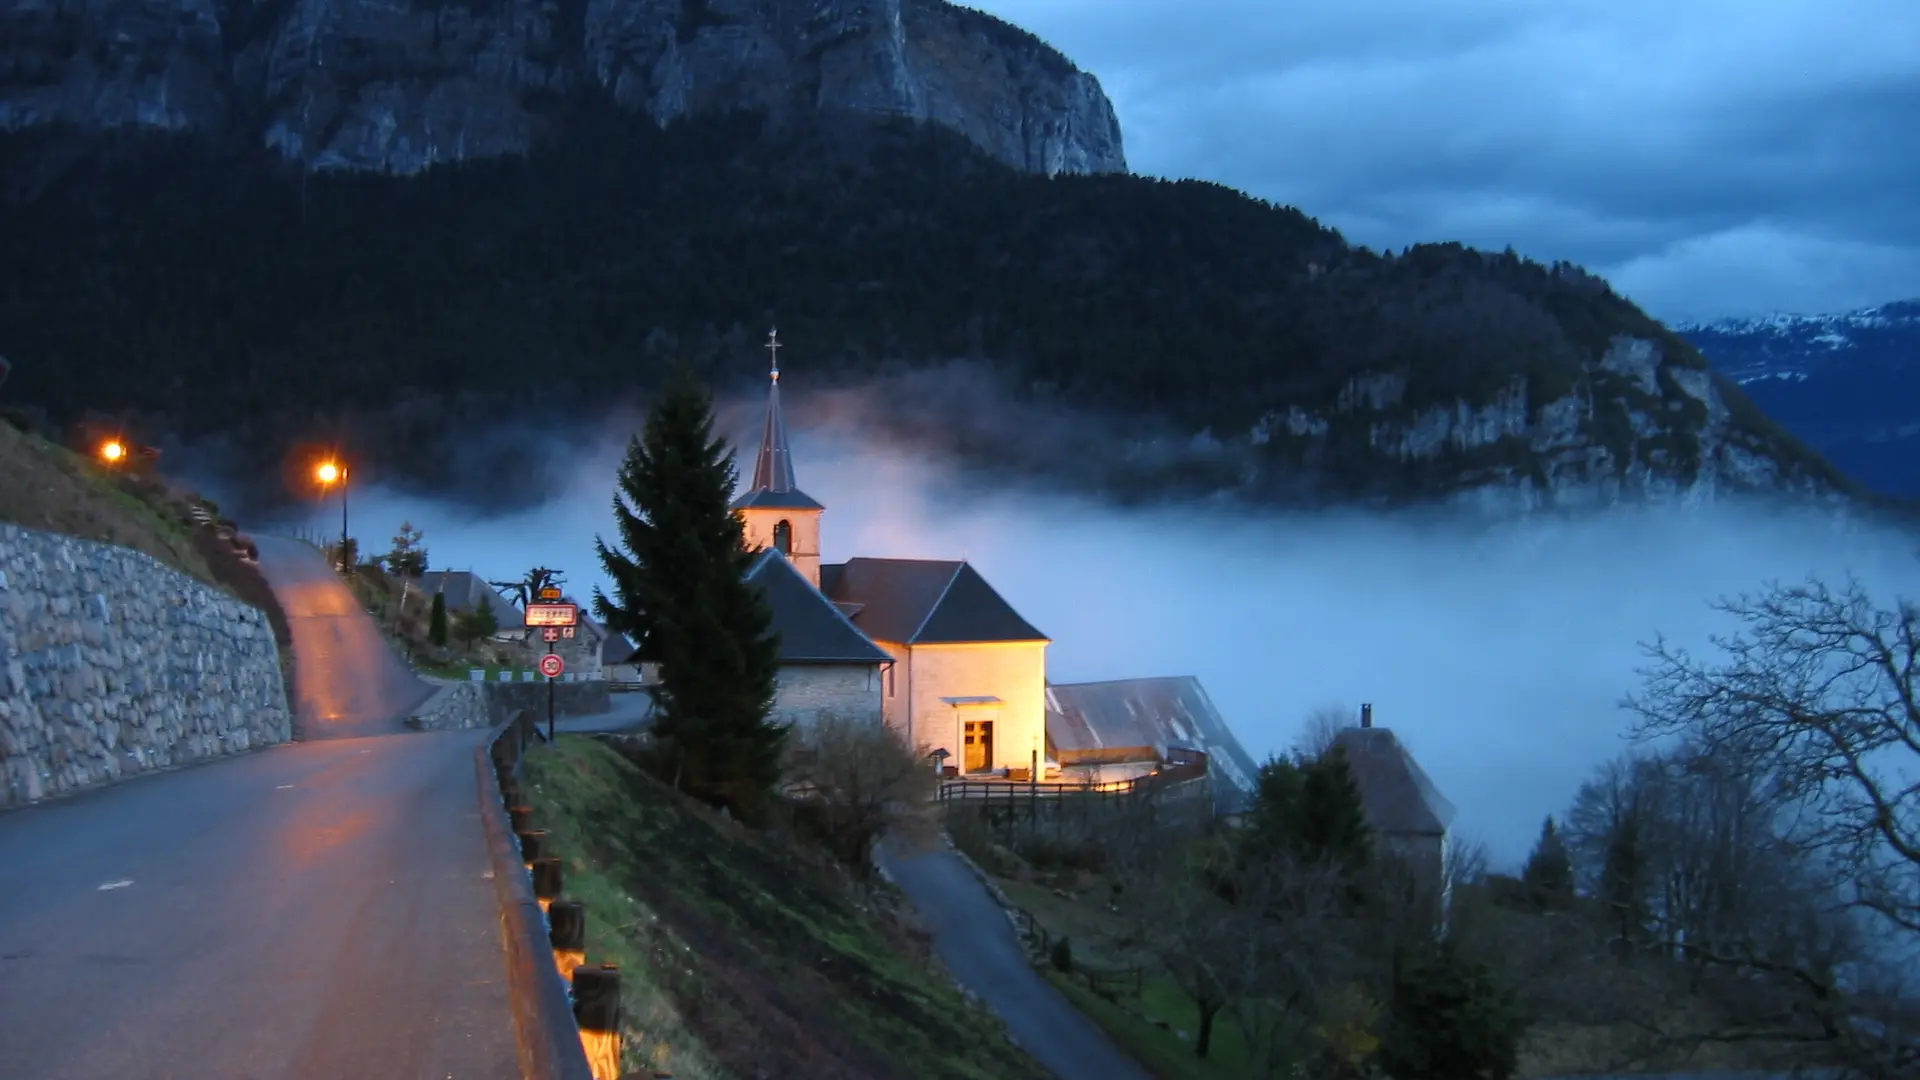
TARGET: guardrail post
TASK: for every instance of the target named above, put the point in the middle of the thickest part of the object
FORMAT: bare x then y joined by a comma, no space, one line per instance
567,930
520,818
533,844
546,880
596,1008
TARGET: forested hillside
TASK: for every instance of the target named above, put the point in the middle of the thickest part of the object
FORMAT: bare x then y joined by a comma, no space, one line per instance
219,291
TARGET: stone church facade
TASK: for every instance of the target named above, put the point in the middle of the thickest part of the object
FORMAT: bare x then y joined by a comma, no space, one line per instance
926,646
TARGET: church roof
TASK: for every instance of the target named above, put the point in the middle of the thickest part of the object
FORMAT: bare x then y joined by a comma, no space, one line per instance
1398,795
812,630
773,484
924,602
1116,719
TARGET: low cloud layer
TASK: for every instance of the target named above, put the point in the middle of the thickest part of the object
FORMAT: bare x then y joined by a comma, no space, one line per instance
1499,654
1712,158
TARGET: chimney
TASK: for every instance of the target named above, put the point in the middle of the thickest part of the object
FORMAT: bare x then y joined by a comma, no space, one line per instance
1366,716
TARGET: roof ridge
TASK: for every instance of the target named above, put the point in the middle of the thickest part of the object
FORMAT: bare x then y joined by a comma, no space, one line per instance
835,605
958,568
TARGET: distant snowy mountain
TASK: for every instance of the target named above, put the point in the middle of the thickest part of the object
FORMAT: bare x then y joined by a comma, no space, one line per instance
1848,385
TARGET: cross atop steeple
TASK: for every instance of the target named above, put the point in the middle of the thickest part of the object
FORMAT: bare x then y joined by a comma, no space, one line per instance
773,467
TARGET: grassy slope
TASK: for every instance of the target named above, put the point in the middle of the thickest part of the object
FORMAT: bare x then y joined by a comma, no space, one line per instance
47,487
742,958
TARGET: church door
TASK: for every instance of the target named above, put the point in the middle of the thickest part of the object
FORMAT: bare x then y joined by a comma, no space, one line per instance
979,745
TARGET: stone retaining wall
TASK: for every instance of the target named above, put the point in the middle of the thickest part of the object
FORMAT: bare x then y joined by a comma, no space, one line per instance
590,697
455,706
113,664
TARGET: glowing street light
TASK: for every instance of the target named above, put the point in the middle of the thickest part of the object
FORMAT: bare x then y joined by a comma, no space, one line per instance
112,452
330,473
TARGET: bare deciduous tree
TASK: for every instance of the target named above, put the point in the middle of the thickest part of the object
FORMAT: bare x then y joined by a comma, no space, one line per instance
1821,690
855,781
1320,728
1779,844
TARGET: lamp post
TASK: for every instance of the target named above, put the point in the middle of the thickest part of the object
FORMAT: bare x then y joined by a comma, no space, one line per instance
330,473
113,451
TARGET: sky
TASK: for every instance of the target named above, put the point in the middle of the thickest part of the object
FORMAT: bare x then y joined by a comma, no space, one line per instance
1499,657
1711,158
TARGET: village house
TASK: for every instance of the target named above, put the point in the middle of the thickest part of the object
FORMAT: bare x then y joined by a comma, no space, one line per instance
1101,732
1405,809
953,668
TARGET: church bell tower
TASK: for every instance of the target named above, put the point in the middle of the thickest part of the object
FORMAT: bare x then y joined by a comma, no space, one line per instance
776,513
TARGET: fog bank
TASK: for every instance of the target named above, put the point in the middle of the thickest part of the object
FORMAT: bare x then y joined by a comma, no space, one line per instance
1498,654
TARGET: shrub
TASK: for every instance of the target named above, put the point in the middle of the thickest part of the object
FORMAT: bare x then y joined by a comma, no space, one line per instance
1450,1017
1061,955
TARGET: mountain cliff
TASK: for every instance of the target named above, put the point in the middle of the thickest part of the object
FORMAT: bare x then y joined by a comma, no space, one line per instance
1129,335
399,85
1848,384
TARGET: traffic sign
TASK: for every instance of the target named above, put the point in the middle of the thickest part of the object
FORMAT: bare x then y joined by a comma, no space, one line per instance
549,593
552,614
551,665
566,631
551,633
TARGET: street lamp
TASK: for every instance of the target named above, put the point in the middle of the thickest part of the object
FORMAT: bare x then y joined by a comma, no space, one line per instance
112,452
330,473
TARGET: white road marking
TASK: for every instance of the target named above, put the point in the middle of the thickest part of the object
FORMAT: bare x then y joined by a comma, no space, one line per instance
282,787
121,884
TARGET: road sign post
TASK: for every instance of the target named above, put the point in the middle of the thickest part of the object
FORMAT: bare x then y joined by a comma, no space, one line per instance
551,666
553,616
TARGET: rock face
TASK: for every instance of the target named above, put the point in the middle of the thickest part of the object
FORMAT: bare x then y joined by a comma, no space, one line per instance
398,85
1636,425
117,665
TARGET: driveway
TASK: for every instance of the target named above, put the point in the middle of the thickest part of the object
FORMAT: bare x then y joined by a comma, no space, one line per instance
972,936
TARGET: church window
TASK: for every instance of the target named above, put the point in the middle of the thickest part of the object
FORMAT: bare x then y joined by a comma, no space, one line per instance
783,538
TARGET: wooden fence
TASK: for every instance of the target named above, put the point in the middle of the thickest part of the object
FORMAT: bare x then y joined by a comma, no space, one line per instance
1109,983
1180,766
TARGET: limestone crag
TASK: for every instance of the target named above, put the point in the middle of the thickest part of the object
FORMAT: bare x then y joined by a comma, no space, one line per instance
398,85
115,664
1637,424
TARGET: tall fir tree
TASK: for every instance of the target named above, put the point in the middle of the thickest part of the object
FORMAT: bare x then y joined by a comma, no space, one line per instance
1310,808
437,621
680,589
1549,871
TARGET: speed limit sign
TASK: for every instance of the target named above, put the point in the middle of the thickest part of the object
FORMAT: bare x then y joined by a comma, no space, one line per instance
551,665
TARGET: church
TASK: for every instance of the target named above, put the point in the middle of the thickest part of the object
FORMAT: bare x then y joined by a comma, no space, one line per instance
926,646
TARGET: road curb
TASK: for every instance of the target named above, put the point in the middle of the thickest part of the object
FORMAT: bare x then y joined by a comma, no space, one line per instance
549,1038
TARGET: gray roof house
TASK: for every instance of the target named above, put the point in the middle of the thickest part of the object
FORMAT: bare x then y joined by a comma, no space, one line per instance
923,602
812,629
1400,799
464,590
1144,719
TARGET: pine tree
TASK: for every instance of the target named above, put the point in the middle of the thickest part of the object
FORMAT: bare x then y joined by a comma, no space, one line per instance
680,588
1549,871
1310,808
481,622
437,621
1334,819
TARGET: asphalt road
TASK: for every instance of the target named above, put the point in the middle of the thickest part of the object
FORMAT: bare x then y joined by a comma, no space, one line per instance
973,938
320,910
347,681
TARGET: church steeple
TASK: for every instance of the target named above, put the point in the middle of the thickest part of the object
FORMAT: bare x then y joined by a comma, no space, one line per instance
775,512
773,469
